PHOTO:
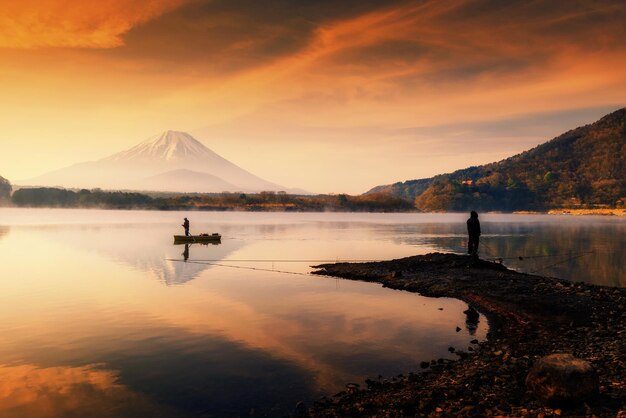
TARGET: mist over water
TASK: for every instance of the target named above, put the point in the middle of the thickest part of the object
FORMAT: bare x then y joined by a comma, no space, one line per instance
102,315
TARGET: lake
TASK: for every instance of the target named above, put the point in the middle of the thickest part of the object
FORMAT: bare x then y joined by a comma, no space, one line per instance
101,315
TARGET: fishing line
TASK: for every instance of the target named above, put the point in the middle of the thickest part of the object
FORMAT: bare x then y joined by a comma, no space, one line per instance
267,260
561,262
249,268
524,257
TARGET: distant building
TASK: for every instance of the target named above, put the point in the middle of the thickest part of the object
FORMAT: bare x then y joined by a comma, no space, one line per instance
468,182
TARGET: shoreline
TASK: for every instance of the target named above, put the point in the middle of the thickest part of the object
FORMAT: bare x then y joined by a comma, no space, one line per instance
576,212
529,317
280,209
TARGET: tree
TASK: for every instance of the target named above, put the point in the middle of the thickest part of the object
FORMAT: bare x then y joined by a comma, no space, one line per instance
549,177
5,190
342,200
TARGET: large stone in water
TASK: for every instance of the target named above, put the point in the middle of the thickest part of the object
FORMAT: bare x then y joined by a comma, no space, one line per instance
562,379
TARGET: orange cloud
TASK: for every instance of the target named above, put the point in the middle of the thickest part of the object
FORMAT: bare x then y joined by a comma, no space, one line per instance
74,23
407,64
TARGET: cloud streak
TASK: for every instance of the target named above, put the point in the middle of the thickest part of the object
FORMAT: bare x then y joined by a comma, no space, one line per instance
74,24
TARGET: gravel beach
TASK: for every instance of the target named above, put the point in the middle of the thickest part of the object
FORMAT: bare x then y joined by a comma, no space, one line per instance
529,317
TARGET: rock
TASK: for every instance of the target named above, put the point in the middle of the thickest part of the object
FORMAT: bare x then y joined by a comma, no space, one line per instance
467,411
300,409
425,364
352,387
562,379
472,313
394,275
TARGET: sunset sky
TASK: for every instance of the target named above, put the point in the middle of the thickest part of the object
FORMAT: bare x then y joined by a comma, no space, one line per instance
324,95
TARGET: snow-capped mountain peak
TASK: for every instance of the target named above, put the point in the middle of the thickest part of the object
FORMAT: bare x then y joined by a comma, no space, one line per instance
168,146
171,161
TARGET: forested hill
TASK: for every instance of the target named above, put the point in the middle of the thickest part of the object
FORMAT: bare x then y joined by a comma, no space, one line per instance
5,190
582,167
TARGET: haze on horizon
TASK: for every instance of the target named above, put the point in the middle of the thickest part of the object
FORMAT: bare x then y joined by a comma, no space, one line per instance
326,96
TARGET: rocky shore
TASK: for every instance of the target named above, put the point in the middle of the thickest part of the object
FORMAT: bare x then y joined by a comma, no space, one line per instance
529,316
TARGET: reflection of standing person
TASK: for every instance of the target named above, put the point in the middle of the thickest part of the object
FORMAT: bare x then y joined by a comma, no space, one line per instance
186,252
472,318
473,230
186,226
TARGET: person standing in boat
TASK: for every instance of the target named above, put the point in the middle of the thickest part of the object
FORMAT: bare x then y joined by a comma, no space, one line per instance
186,226
473,230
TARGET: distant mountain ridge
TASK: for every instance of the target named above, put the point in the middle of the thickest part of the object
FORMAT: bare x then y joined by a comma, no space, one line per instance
584,166
172,161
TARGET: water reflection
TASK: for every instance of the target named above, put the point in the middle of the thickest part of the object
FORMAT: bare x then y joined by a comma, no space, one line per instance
223,343
144,248
187,246
578,252
589,249
83,391
472,319
88,299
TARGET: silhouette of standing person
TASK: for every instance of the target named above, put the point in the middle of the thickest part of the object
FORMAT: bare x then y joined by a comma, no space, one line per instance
186,226
473,230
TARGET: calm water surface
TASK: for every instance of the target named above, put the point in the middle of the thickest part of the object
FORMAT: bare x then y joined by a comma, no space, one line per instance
101,316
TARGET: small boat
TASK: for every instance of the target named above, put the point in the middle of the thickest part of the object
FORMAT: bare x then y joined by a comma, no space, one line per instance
180,239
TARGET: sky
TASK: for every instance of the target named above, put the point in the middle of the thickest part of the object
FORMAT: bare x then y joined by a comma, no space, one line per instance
324,95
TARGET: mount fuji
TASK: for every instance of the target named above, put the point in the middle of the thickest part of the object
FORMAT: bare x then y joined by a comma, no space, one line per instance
170,162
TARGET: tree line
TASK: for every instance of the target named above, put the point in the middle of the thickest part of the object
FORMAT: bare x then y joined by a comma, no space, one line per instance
264,201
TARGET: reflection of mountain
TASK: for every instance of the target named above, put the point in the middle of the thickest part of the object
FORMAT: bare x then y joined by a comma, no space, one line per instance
178,271
147,248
